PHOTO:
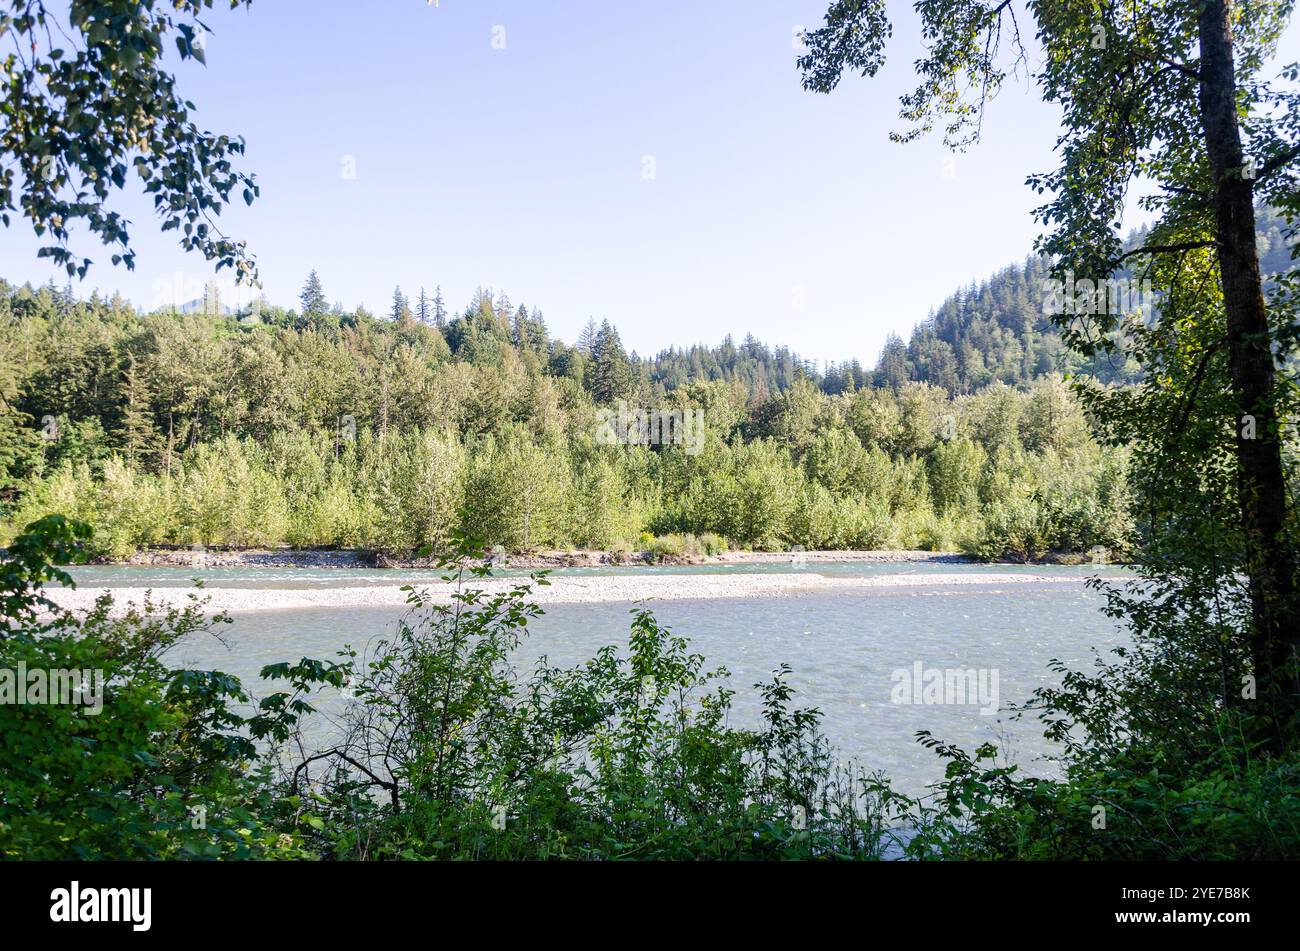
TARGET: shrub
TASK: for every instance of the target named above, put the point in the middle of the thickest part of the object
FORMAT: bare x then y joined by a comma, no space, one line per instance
666,546
450,753
713,544
1019,530
125,773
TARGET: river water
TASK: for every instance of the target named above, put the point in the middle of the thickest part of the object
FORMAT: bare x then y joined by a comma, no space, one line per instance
852,652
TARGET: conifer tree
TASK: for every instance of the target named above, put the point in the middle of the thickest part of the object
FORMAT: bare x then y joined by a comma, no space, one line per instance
314,306
587,339
611,375
137,434
401,311
519,335
439,309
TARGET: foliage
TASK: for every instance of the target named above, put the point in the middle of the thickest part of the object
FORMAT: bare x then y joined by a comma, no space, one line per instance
452,752
449,751
1184,744
212,429
86,100
165,767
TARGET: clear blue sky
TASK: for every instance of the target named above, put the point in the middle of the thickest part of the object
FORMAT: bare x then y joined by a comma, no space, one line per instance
522,169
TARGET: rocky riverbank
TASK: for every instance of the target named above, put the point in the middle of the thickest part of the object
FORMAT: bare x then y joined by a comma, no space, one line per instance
565,589
361,558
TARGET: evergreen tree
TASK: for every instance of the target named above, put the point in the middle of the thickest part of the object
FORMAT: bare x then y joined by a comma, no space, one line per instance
611,376
538,339
314,306
19,445
503,313
401,311
137,434
894,370
519,328
439,309
587,339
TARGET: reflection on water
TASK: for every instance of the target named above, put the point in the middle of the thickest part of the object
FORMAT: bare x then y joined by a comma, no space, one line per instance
843,648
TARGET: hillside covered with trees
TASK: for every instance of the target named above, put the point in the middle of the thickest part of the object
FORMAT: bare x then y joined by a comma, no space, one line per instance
997,331
316,427
1011,423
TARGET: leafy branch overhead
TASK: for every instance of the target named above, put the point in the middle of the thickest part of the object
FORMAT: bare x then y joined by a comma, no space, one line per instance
958,75
85,102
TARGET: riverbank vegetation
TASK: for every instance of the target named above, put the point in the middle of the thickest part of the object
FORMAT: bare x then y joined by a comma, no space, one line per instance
316,428
1186,744
446,750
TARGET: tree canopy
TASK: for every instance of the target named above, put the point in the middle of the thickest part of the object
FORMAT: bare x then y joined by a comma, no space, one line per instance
86,101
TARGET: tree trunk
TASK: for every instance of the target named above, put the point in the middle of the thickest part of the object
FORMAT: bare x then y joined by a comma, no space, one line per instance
1261,482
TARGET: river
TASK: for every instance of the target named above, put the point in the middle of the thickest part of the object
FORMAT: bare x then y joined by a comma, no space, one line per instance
852,649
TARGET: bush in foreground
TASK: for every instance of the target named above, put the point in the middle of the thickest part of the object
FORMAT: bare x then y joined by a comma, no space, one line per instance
449,751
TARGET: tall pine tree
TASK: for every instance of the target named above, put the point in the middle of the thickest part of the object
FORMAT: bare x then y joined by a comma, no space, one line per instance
439,309
611,372
136,433
314,306
401,311
587,339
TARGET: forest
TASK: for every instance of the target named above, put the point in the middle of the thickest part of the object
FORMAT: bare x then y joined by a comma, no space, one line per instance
314,427
1006,428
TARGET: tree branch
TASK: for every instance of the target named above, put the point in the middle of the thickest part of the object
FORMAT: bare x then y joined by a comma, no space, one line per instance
1278,162
1183,68
391,787
1163,249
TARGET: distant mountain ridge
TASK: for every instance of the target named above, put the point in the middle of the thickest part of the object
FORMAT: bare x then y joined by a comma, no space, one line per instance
991,331
997,331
